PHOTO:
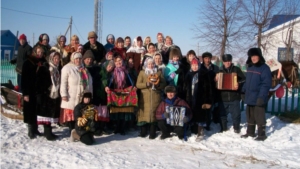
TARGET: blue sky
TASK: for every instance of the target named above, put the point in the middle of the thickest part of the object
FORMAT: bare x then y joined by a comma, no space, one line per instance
120,17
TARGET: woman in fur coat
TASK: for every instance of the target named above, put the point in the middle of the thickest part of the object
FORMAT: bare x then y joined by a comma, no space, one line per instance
75,80
149,97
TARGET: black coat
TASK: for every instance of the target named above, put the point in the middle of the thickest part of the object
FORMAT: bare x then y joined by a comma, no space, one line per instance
99,53
24,52
97,79
182,71
79,112
231,95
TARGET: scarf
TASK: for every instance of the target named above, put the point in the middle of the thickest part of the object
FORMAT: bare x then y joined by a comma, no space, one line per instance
150,71
119,75
93,46
174,63
84,76
170,102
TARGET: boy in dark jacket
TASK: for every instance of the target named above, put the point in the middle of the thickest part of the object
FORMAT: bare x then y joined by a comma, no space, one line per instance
85,115
256,89
230,99
161,114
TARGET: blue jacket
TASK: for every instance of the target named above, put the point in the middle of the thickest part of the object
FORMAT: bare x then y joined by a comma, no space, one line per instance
258,83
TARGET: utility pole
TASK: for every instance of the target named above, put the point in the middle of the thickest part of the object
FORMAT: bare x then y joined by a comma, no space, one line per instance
98,19
69,28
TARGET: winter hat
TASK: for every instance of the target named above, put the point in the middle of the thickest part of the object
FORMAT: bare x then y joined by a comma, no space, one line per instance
255,52
227,57
23,37
206,54
174,52
88,54
43,36
92,34
195,61
139,38
87,95
170,89
110,36
75,55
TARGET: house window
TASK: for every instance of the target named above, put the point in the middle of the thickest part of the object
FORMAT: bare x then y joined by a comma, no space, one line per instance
282,54
7,54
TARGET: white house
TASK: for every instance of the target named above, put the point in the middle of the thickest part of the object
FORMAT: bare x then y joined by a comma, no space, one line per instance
283,30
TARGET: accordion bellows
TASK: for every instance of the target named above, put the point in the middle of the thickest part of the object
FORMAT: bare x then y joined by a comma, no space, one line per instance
227,81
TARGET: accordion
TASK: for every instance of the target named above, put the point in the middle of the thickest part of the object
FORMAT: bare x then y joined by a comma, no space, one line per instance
176,115
227,81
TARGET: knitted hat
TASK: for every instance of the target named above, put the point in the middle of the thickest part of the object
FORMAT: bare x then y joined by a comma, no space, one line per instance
170,89
23,37
195,61
92,34
88,54
227,57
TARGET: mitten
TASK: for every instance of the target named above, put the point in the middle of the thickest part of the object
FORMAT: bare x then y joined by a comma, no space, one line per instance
260,102
166,115
185,119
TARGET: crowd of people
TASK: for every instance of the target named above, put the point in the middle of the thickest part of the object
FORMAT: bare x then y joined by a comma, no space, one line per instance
93,89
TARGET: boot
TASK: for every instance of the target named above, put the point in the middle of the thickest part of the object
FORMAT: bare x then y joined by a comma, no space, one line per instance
143,130
261,131
200,135
36,131
250,131
30,132
74,136
223,125
123,125
71,125
236,128
48,133
152,131
164,129
117,129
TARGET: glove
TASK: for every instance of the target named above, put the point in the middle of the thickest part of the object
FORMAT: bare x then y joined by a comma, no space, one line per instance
178,71
185,119
243,97
81,121
166,115
260,102
13,61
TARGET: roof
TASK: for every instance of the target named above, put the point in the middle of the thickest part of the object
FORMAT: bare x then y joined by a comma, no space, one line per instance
280,19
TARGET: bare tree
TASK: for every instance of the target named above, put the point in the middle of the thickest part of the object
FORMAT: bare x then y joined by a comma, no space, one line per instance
260,13
220,25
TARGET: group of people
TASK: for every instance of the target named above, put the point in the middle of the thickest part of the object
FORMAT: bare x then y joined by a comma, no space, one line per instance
74,85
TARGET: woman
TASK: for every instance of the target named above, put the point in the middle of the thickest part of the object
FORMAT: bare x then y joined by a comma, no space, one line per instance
28,82
120,79
44,43
150,97
191,55
168,45
147,42
47,93
110,39
151,52
75,80
69,49
60,46
158,62
119,48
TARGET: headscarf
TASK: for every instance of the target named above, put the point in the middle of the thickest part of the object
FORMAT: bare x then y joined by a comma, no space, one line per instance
147,70
119,76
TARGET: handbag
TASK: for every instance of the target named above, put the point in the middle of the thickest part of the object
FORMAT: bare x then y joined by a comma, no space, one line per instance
102,114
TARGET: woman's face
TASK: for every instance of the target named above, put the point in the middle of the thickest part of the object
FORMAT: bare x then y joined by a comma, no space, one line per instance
77,61
160,39
120,45
56,60
151,49
168,41
130,63
74,41
118,62
39,53
88,61
45,41
175,58
86,100
147,41
79,50
139,43
157,59
191,57
62,41
194,67
109,57
150,65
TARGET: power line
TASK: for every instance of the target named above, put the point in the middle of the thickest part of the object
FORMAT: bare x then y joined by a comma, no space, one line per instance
77,29
34,13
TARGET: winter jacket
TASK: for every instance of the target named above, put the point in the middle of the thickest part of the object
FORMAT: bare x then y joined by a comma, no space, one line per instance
72,87
161,109
24,51
84,111
231,95
258,83
99,52
149,99
94,70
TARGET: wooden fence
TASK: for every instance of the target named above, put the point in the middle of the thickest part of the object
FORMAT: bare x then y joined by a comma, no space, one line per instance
8,72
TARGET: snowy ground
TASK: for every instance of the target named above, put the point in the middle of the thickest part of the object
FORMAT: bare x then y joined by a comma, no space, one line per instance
218,150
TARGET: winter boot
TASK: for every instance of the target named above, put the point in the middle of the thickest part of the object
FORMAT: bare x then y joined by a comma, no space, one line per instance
152,131
223,125
261,132
144,130
30,132
48,133
200,135
164,129
74,136
71,125
123,125
236,128
250,131
36,131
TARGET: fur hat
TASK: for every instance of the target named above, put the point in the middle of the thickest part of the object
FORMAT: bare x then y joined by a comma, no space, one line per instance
170,89
23,37
92,34
227,57
174,52
206,54
88,54
255,52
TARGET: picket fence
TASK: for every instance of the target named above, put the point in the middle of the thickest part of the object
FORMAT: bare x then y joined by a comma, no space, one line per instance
8,72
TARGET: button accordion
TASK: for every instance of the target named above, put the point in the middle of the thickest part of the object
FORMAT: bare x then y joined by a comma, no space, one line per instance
176,115
227,81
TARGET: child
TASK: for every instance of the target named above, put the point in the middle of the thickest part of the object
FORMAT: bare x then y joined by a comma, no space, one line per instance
85,115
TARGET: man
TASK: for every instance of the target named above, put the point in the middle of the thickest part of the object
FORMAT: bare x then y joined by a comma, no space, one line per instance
230,99
24,51
96,47
256,89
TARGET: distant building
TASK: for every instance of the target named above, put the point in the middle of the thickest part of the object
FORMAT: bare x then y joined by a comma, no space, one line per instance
9,43
283,30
